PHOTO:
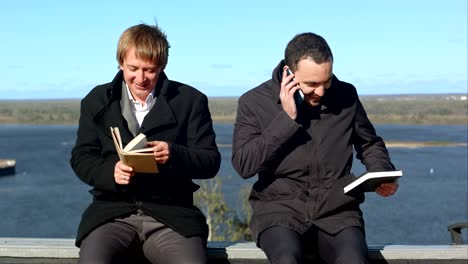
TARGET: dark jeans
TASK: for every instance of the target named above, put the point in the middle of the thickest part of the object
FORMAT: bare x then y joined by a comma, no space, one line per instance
285,246
140,239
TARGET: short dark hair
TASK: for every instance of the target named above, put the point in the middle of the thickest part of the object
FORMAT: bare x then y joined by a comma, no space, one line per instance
307,45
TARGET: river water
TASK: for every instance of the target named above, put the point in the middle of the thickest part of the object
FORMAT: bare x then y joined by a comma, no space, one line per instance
45,199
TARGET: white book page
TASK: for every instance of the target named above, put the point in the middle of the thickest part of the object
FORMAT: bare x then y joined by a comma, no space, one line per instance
139,142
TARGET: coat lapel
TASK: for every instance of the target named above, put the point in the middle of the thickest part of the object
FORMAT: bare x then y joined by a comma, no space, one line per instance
111,113
127,111
112,117
160,115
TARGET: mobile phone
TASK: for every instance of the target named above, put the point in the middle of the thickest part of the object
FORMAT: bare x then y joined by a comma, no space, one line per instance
298,95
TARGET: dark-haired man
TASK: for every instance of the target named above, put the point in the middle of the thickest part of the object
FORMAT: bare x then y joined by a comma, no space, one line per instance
302,153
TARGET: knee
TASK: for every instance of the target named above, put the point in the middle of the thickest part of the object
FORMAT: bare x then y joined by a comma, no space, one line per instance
191,261
94,256
287,259
350,255
93,252
178,259
285,256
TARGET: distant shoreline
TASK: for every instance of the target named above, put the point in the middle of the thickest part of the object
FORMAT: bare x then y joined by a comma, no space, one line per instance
422,144
404,144
432,109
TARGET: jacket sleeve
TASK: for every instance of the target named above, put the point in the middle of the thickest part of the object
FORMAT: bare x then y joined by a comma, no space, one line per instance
255,148
370,148
200,157
87,160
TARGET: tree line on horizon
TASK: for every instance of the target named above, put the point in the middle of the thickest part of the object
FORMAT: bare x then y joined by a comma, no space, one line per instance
408,109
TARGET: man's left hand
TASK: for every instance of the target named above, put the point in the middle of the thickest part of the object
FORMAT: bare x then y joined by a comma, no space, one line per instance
161,151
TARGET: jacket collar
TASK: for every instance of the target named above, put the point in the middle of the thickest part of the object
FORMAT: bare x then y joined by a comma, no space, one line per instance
115,92
161,113
277,77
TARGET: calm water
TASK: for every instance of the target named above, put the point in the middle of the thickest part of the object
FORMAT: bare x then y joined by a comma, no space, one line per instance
45,199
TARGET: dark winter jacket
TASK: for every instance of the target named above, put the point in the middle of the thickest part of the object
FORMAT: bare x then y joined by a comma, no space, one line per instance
303,164
180,117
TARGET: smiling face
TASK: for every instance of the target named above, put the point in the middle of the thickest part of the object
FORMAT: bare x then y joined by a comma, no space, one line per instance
314,79
140,76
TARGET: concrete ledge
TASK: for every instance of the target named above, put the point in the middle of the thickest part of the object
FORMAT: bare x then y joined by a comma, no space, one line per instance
43,250
423,254
38,248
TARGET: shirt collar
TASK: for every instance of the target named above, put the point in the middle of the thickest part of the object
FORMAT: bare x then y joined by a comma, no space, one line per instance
148,99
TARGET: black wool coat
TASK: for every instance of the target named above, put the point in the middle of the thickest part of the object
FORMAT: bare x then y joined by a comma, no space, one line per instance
180,117
302,165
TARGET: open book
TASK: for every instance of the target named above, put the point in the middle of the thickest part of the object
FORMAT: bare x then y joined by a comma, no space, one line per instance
369,181
135,154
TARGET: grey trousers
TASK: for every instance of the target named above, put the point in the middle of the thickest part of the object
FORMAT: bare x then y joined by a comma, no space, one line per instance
139,238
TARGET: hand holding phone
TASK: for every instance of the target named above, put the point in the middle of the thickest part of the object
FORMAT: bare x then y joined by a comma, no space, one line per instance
298,94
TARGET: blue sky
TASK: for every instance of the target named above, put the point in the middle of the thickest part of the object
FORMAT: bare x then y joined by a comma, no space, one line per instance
62,49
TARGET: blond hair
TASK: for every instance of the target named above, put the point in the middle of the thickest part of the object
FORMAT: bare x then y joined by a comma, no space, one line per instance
150,44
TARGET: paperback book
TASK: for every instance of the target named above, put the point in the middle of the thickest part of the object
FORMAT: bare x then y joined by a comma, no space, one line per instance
369,181
135,154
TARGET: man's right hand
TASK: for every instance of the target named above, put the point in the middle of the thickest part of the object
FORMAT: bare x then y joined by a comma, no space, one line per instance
387,189
288,88
123,174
